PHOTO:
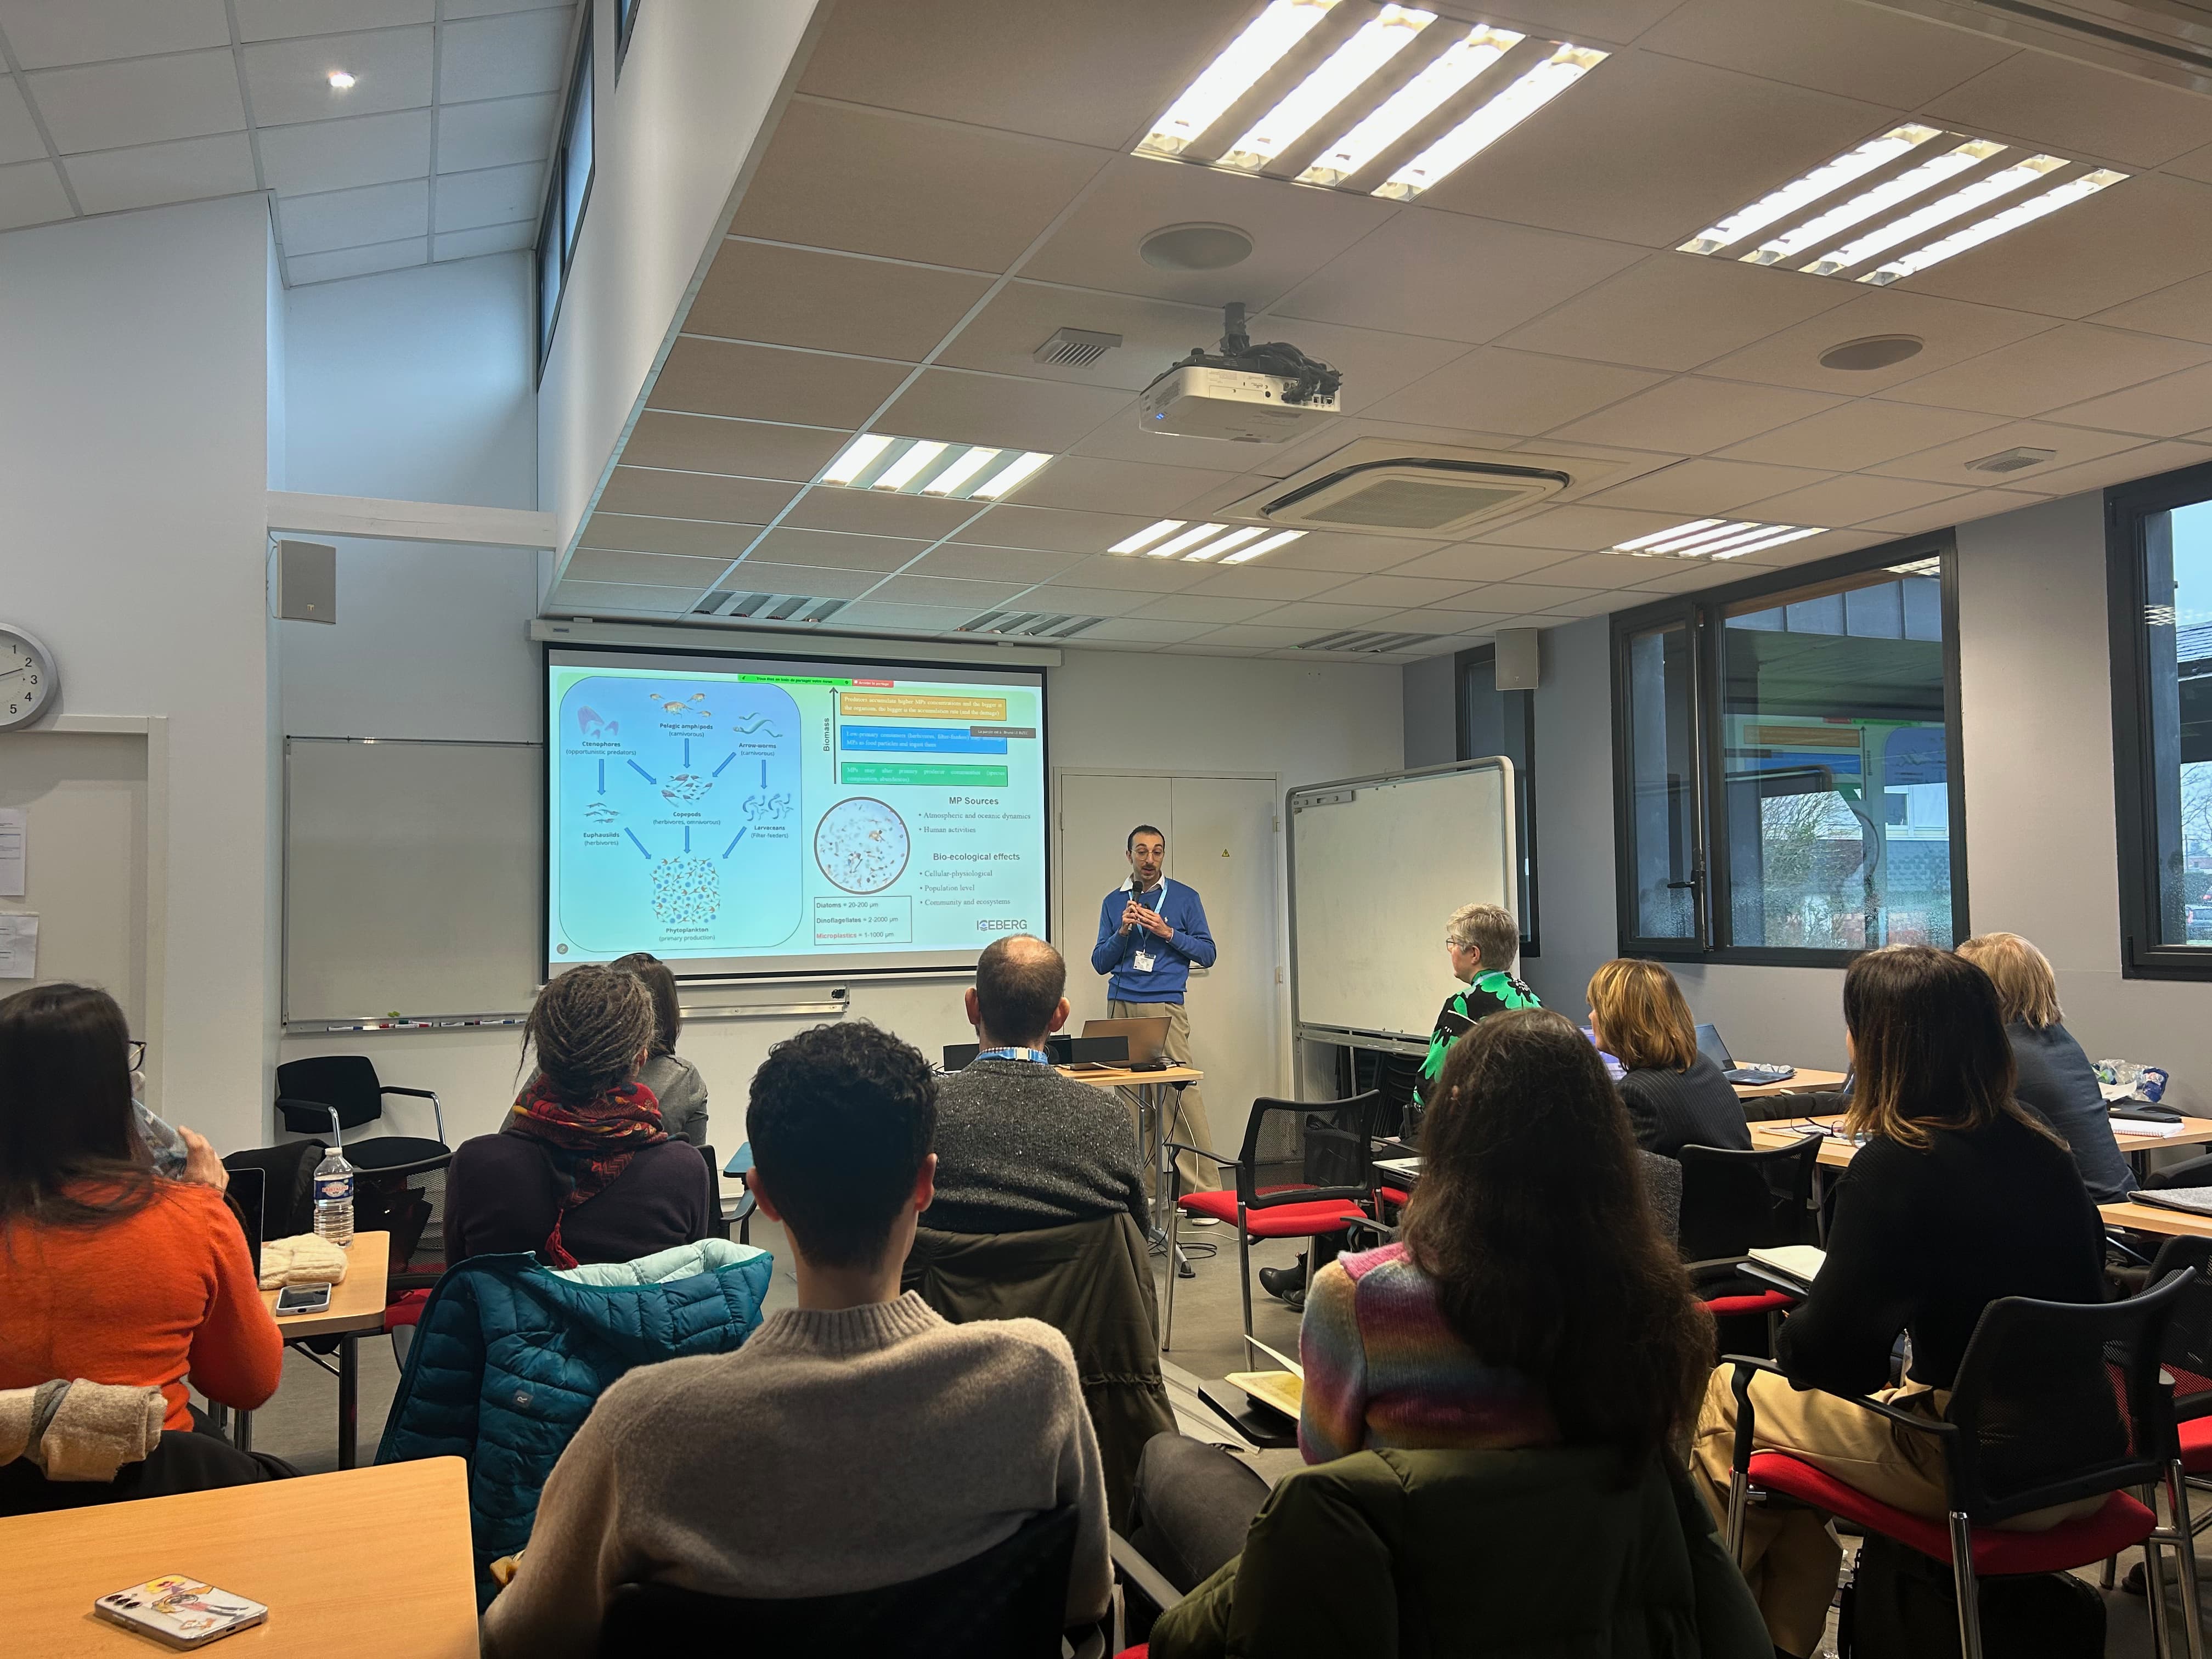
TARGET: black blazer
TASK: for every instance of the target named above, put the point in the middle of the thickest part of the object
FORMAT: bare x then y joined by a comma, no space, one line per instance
1669,1110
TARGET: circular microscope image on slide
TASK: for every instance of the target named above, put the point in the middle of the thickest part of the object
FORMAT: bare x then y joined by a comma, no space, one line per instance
861,844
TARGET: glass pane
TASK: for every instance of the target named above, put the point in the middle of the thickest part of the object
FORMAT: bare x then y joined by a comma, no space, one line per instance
2178,637
1500,723
576,168
1836,769
1662,783
549,282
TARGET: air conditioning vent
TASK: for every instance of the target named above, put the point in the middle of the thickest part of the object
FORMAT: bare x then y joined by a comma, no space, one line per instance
2011,460
1030,625
1075,347
1386,487
768,607
1373,644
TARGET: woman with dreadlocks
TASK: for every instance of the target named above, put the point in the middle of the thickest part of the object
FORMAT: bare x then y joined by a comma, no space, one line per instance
582,1169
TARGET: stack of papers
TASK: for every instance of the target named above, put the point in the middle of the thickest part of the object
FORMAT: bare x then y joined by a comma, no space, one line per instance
2125,1124
1799,1261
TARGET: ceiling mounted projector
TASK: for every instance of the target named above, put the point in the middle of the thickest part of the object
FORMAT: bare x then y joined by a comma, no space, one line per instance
1243,393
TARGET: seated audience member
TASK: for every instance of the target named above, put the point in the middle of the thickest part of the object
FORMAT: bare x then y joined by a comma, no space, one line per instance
1675,1096
582,1169
1959,1197
675,1082
872,1443
108,1271
2054,1079
1481,941
1019,1144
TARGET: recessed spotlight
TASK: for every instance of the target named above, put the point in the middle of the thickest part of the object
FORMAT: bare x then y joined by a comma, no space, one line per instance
1875,351
926,466
340,80
1195,248
1713,538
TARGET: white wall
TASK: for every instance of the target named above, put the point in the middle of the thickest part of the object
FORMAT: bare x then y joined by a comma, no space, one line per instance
1431,689
133,458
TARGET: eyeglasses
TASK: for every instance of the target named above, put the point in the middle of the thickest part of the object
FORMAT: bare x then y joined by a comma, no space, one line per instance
137,1050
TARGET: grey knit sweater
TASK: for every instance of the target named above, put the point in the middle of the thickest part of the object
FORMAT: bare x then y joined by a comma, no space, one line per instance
833,1452
1019,1146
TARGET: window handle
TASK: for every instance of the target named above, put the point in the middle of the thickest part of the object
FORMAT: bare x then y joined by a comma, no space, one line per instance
1694,881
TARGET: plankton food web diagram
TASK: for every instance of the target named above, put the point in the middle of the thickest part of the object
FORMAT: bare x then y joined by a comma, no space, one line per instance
681,806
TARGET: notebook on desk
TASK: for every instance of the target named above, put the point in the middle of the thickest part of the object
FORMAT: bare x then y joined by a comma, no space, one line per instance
2146,1120
2189,1200
1798,1263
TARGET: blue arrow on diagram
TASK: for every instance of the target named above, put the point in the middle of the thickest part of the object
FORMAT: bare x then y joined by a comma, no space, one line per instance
642,773
687,754
727,759
687,837
764,774
732,846
635,842
603,777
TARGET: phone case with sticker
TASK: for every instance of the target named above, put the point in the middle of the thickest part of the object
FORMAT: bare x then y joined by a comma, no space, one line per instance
183,1613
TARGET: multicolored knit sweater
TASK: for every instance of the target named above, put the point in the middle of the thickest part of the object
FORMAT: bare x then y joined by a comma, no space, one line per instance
1384,1372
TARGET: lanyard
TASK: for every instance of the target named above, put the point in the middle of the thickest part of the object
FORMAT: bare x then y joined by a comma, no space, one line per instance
1037,1054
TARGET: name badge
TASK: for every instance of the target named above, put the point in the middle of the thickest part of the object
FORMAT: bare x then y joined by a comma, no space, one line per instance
1144,959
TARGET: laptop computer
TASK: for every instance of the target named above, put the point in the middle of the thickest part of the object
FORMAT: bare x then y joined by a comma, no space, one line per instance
1713,1047
1147,1038
249,1190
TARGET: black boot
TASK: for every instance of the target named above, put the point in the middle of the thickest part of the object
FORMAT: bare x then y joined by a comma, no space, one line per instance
1289,1284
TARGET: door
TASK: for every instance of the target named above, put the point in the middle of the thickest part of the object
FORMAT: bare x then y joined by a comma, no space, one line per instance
1222,841
84,857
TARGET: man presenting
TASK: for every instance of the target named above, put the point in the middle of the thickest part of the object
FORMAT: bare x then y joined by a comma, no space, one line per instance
1151,932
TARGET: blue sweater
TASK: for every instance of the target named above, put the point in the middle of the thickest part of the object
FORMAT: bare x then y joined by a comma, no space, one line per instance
1173,958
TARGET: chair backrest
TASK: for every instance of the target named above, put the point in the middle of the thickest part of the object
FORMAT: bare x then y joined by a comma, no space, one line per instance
1009,1602
1734,1202
1350,1152
288,1205
1663,1186
2059,1401
2188,1352
347,1082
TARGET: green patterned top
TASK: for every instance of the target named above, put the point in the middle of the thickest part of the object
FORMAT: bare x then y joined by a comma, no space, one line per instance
1492,992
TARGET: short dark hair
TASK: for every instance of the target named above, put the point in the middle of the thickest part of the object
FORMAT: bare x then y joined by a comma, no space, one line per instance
1017,987
1144,830
667,1008
841,1118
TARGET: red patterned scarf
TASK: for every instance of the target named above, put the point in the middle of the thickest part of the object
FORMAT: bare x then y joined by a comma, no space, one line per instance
589,1142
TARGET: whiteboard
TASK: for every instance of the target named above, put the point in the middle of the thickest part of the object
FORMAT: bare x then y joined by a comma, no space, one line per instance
1377,867
413,878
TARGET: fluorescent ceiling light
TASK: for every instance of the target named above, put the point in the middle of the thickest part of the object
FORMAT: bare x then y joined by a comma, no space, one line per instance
1940,211
1703,541
1412,104
1234,538
1262,45
1146,537
856,458
2012,218
1713,538
1775,538
1375,42
1820,232
1800,193
926,466
1010,475
1278,539
902,472
1492,122
966,467
1641,543
1184,543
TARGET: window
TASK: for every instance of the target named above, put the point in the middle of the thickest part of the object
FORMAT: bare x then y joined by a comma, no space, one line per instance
569,187
1495,722
625,21
2159,534
1782,768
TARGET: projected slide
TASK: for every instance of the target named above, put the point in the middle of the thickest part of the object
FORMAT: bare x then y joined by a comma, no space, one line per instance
735,816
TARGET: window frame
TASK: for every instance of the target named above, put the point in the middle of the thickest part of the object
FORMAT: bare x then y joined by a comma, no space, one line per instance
552,218
1704,613
2135,740
1465,665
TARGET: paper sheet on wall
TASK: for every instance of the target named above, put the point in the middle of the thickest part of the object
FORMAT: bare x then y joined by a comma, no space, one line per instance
15,838
18,946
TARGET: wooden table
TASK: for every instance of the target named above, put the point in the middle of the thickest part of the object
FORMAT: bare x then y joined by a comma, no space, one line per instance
1149,1090
1769,1133
366,1561
2156,1218
357,1306
1805,1082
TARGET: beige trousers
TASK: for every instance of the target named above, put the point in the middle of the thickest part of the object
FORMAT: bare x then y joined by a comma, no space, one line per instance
1788,1556
1187,1108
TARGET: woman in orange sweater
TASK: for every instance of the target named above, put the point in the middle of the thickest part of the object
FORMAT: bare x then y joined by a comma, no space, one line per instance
108,1271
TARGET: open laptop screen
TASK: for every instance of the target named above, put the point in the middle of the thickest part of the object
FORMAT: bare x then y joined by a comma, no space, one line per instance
1711,1046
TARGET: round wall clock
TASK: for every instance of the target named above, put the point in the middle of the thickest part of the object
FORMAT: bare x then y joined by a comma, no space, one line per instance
29,681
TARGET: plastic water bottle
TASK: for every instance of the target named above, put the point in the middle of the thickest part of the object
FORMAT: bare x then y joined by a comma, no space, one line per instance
334,1198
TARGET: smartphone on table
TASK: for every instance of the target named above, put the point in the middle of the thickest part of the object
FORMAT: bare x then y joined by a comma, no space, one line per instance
303,1299
181,1612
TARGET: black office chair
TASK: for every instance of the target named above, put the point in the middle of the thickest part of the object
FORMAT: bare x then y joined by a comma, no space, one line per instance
337,1092
1009,1602
1734,1202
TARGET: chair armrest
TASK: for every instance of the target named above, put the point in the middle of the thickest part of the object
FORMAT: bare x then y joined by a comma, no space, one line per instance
1200,1152
437,1111
337,1134
1141,1573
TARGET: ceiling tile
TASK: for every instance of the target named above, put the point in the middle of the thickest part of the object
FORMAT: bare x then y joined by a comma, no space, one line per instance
2084,111
1859,434
1331,549
2039,373
1138,631
1083,601
1674,313
1491,389
289,80
1022,315
694,495
1690,415
879,512
959,406
356,261
2183,311
1320,618
1397,589
1941,515
1585,603
193,169
1087,485
493,196
1608,22
1649,149
758,575
1472,561
1831,45
20,140
1847,500
1133,576
830,301
903,618
369,149
504,57
1578,528
145,101
497,133
1438,624
2163,407
834,552
1050,530
32,194
721,377
1199,608
45,33
602,598
907,188
1256,634
1452,277
755,449
278,19
993,564
1264,580
1702,487
1948,463
971,597
2127,466
975,61
1295,231
1951,330
629,533
1510,598
595,564
492,239
1608,572
353,218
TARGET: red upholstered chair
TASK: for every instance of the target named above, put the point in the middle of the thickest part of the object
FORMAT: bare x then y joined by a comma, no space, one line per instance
2053,1402
1734,1202
1339,1153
